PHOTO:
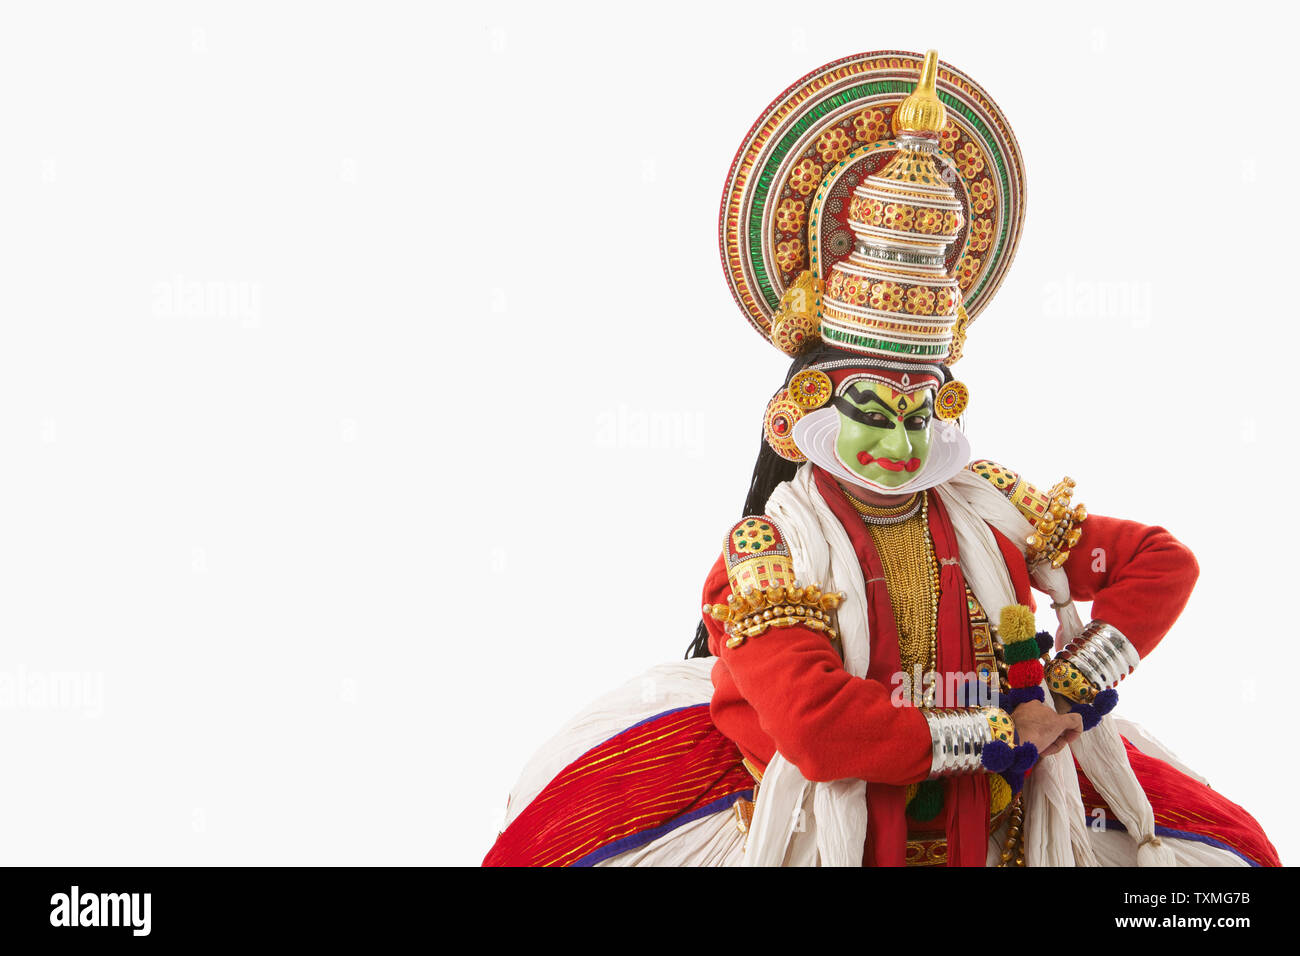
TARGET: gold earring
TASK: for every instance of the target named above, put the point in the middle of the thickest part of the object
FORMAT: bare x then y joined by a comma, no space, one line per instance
951,400
810,389
778,426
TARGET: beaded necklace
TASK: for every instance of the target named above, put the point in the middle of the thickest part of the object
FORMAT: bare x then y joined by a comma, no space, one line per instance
890,514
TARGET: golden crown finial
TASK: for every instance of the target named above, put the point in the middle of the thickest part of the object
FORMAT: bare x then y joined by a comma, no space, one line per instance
922,111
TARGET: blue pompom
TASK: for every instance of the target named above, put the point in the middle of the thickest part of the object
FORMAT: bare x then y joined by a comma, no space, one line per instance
1014,780
1011,699
1024,757
997,756
1091,718
1045,642
1105,701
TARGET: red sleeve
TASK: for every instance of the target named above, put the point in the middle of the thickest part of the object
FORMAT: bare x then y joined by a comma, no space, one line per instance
1138,577
828,723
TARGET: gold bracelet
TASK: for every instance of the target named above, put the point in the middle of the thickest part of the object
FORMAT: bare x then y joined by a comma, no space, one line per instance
1004,729
1065,679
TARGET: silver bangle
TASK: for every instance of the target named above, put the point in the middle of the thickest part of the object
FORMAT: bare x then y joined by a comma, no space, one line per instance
1103,655
958,737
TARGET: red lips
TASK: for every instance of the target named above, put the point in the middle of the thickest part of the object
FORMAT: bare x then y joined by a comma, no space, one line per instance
889,464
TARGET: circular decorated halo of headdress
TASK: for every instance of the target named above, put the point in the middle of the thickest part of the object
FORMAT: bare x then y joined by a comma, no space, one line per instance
830,186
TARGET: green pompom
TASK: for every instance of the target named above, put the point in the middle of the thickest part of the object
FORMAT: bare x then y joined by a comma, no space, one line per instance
928,801
1021,651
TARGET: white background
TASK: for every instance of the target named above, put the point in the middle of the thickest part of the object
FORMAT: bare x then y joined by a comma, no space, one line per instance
371,397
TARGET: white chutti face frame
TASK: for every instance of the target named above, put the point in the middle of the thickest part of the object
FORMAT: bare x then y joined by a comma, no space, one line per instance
815,436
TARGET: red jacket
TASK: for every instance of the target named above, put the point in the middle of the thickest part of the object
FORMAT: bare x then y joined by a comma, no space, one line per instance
788,689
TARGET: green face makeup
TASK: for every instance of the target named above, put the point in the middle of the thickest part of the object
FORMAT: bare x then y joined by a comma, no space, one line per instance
884,435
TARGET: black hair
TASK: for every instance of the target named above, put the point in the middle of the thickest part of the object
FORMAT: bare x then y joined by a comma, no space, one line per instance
770,470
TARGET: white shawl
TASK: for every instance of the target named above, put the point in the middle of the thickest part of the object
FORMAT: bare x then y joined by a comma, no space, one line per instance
799,822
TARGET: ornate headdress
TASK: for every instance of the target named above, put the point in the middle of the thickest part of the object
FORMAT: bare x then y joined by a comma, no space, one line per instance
875,214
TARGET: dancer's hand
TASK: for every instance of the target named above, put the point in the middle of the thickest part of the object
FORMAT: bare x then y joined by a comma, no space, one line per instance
1043,727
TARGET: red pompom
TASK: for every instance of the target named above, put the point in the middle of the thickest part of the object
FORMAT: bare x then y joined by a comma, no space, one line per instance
1025,673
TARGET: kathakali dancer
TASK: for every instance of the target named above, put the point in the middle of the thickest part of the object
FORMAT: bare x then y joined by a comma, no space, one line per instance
868,686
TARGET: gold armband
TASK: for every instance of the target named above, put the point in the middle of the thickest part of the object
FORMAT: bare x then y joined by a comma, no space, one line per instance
752,612
756,555
764,593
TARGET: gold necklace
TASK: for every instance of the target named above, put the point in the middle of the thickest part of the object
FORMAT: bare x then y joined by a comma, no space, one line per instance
906,551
